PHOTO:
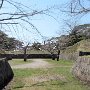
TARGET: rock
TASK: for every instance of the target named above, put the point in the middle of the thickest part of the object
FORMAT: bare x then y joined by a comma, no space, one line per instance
81,69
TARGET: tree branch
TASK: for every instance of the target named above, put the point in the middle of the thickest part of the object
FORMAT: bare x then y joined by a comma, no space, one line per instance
1,4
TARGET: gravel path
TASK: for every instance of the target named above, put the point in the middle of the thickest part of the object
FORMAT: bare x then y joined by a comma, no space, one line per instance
37,63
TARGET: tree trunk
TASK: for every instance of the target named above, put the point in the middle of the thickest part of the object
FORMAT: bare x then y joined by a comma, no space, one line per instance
25,55
58,55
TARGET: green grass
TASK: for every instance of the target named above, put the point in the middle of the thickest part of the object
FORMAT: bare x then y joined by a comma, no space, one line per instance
63,69
61,62
19,61
28,72
18,83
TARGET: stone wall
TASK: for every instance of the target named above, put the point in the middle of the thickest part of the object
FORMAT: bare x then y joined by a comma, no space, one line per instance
6,73
69,56
81,69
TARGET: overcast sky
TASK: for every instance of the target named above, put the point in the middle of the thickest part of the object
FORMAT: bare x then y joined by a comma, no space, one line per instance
48,26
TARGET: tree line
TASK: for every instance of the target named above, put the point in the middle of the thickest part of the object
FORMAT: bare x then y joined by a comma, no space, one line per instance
9,43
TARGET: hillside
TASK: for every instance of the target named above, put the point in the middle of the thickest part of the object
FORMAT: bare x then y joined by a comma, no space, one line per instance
74,38
83,45
72,52
82,30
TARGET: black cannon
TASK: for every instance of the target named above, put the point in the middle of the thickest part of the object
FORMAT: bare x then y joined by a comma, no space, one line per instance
84,53
6,73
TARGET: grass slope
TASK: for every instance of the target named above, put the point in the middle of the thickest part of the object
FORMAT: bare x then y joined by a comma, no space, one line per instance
83,45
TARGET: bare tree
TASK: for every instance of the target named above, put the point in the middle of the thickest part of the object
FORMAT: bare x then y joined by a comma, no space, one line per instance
77,7
53,47
25,52
18,16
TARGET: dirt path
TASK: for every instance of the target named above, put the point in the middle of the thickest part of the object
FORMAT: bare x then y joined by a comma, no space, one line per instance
37,63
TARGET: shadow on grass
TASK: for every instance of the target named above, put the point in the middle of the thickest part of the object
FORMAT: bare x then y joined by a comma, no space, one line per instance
44,83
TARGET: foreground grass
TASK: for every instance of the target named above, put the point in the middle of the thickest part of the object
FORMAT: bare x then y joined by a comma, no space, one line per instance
62,68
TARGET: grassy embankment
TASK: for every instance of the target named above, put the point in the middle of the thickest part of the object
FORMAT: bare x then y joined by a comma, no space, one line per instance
83,45
58,77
